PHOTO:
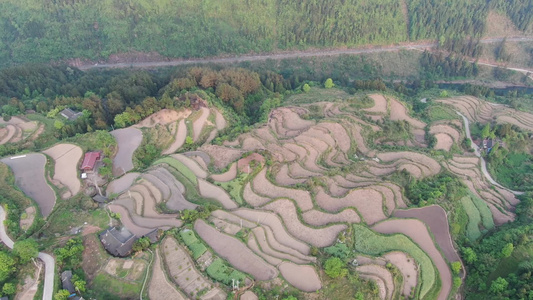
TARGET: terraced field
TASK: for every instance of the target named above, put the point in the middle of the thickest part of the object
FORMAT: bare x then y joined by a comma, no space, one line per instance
310,182
19,129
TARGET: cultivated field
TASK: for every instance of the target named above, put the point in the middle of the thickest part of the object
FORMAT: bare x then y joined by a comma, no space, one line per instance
30,178
128,139
66,157
19,129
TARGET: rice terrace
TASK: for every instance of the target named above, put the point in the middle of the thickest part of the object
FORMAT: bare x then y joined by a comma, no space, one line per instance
326,194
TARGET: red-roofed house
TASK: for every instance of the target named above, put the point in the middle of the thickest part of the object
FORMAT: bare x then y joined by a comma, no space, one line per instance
90,160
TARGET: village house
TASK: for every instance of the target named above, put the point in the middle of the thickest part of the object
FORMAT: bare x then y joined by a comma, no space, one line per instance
70,115
89,161
118,242
66,282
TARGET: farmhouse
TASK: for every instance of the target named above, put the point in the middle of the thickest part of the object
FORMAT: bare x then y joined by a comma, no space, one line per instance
118,242
66,282
89,161
70,115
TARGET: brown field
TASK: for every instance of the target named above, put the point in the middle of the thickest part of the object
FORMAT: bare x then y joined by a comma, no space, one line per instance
191,164
199,123
318,218
18,129
447,129
399,112
380,272
179,138
368,202
292,119
284,179
252,198
437,221
380,104
224,155
274,222
176,200
128,222
322,237
212,191
444,141
418,232
235,252
248,295
229,175
219,120
128,139
66,157
163,117
264,244
159,287
123,183
426,161
263,186
408,268
302,277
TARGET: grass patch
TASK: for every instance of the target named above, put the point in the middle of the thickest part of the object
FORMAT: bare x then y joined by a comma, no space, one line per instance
189,238
317,94
510,264
234,188
179,166
220,271
61,220
438,112
474,219
108,287
368,242
484,212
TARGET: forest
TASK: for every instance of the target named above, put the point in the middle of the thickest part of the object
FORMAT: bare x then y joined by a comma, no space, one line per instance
55,30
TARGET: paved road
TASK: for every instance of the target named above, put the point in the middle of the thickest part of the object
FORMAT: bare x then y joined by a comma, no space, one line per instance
49,262
483,162
284,55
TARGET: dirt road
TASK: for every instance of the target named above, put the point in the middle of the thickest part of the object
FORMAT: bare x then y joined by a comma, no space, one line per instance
49,262
285,55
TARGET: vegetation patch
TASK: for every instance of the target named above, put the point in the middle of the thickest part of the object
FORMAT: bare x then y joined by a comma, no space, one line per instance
220,271
474,219
195,245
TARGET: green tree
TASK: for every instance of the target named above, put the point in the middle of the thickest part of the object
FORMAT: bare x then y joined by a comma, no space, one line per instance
485,133
9,289
334,267
79,284
456,267
306,88
469,255
329,83
499,285
7,265
58,125
189,140
507,250
26,250
61,295
141,244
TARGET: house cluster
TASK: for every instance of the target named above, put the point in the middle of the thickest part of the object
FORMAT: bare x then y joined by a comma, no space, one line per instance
119,241
486,145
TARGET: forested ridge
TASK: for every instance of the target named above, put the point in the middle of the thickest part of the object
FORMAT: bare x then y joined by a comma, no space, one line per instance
41,31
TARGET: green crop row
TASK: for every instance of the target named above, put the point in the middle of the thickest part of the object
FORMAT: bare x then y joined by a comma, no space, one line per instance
474,219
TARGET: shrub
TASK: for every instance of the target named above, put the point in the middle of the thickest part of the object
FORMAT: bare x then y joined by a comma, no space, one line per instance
335,267
329,83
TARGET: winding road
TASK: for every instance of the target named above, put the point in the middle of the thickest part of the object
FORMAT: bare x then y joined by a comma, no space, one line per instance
292,54
483,162
49,262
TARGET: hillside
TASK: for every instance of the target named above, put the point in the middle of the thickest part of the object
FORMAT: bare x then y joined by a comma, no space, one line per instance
40,31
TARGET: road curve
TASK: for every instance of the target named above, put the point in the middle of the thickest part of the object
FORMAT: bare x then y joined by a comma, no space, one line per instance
483,162
49,262
284,55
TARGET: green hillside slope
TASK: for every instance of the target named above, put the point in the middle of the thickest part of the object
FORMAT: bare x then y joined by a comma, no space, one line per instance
43,30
